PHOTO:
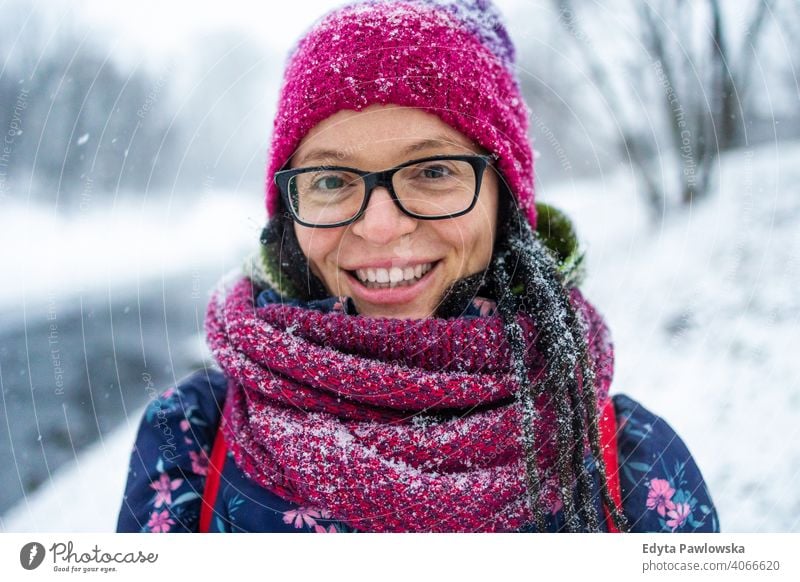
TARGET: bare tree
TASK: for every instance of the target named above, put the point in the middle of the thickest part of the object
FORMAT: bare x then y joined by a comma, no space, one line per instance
703,87
82,116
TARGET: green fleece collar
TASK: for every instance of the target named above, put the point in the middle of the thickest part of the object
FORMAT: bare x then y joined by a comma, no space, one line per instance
558,234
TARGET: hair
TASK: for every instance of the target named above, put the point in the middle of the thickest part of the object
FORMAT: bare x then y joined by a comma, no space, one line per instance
522,276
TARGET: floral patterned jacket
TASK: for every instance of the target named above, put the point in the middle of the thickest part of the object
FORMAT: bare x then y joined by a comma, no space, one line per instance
662,488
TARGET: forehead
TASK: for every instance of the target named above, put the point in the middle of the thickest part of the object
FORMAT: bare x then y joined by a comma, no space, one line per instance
380,134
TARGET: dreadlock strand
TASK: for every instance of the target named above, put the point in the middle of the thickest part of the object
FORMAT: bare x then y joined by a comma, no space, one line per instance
544,297
582,403
587,397
508,307
584,477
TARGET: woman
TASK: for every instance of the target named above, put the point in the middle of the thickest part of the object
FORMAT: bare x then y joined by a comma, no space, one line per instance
409,350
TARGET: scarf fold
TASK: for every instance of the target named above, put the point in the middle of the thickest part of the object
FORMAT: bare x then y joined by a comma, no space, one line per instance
388,425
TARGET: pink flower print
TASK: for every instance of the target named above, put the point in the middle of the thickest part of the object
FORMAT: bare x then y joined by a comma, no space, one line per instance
556,505
660,496
164,488
485,306
160,522
199,462
309,515
321,529
678,515
185,425
168,392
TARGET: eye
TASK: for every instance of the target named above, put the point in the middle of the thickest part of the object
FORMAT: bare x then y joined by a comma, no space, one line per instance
435,171
329,182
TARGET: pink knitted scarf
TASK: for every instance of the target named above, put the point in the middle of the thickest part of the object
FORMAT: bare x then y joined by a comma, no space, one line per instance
389,425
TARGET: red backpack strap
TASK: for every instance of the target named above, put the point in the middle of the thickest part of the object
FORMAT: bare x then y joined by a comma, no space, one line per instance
608,443
216,461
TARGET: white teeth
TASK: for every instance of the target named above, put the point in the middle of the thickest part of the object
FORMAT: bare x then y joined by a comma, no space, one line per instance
394,276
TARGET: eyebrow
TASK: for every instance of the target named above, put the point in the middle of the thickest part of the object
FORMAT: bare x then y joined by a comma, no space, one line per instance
438,141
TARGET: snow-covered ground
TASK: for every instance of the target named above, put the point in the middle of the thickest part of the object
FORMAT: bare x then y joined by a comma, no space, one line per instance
705,315
704,311
82,496
111,244
119,242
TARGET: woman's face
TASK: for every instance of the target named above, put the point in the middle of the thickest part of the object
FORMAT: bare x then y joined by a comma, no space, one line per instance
441,251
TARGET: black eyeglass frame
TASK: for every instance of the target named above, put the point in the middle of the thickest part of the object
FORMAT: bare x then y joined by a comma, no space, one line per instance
383,178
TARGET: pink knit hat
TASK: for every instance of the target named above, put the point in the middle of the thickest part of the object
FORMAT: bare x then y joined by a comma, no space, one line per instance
451,58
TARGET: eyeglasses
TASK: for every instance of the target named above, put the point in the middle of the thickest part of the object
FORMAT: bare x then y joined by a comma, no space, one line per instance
432,188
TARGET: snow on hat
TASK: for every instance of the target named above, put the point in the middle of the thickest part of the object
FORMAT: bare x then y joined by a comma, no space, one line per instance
451,58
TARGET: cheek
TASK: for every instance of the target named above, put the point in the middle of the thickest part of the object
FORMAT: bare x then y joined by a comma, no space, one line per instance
478,232
318,245
485,225
482,245
470,239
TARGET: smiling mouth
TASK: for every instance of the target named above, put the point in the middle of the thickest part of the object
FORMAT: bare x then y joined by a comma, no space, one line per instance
379,278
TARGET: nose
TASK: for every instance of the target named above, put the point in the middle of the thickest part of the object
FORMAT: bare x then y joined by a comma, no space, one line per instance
383,222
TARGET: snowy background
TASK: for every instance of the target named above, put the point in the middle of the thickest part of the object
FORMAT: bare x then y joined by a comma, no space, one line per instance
120,205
